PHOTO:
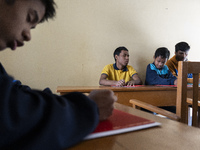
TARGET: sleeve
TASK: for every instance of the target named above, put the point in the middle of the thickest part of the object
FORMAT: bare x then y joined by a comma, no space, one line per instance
132,71
152,78
171,77
31,119
171,67
106,70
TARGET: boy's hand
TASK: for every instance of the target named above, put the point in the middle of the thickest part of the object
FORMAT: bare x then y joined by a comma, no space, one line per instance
175,82
120,82
104,100
130,83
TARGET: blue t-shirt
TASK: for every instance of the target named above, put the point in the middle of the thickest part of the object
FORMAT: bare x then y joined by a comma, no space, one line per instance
189,74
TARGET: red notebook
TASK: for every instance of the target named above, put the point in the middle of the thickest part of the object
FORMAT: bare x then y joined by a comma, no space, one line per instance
128,86
167,85
120,122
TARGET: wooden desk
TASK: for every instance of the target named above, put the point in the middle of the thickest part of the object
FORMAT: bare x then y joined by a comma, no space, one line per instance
171,135
155,95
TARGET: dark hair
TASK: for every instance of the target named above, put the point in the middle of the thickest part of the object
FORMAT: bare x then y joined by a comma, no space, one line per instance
163,52
182,46
49,8
118,51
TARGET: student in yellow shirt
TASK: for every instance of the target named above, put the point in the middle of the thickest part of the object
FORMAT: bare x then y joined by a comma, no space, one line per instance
120,73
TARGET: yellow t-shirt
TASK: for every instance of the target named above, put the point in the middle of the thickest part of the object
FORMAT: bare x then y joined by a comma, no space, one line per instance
115,74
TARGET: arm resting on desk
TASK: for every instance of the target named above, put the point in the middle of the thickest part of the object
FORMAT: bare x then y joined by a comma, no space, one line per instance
168,114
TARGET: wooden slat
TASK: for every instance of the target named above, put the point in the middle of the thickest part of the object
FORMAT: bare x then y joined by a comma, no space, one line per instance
195,99
155,109
181,106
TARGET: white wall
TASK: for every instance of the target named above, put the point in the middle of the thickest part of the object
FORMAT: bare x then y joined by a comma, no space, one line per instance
74,47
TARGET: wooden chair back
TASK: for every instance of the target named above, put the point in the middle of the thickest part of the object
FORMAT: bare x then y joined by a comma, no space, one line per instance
182,101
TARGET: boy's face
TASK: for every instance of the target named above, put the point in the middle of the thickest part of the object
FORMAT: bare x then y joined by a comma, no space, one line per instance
17,19
159,62
123,58
181,55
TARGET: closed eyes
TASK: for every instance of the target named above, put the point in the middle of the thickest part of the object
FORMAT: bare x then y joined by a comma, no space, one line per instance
32,18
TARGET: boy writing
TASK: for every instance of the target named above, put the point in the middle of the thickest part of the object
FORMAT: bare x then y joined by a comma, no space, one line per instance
39,120
120,73
157,73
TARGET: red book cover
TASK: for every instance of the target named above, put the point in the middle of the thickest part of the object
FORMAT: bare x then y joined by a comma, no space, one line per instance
128,86
167,85
121,122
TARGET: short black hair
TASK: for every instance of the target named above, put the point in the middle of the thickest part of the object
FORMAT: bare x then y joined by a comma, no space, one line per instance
182,46
50,11
163,52
118,51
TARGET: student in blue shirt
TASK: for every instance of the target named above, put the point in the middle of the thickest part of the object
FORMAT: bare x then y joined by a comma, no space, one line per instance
157,73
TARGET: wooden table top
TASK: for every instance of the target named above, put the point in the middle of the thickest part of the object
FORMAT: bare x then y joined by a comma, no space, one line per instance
171,135
86,89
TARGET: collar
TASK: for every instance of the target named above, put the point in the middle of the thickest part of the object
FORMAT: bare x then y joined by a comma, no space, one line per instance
162,71
115,67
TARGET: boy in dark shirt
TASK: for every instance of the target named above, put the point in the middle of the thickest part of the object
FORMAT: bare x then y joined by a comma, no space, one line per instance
157,72
39,120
